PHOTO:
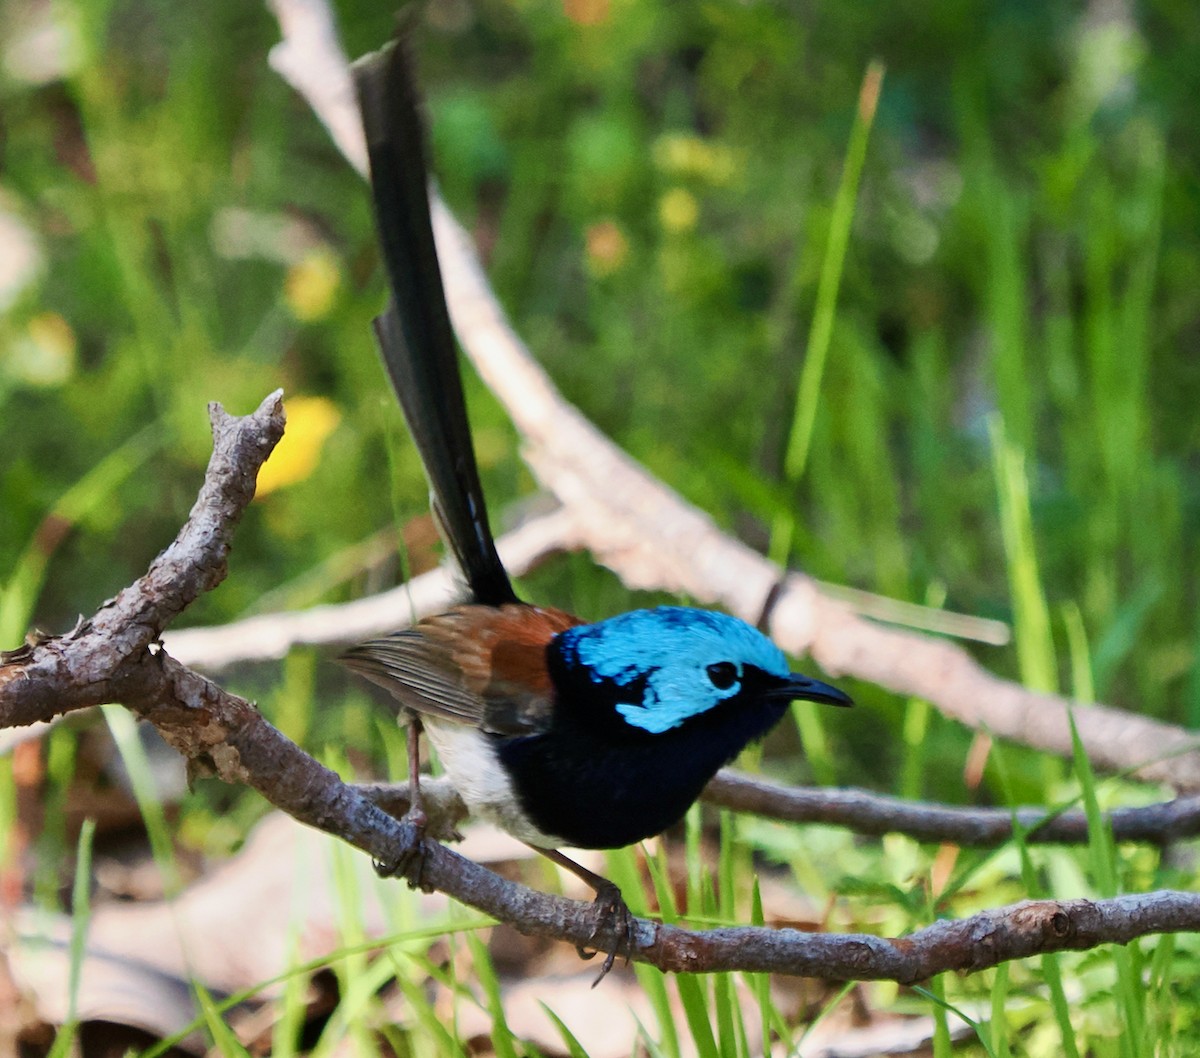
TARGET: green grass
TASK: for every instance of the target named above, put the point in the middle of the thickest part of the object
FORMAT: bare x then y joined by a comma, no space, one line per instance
80,919
956,367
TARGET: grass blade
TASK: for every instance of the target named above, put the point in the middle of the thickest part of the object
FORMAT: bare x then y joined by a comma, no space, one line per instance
81,914
123,728
804,414
1031,616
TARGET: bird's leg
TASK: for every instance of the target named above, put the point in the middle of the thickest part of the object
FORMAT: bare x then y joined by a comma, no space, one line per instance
611,910
416,810
410,864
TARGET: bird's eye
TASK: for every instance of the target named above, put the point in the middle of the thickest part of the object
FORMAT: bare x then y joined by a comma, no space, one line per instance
723,675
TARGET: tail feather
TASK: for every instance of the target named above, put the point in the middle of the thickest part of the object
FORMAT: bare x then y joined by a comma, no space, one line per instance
413,332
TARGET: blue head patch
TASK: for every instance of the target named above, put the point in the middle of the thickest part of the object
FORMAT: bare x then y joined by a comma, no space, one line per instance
687,661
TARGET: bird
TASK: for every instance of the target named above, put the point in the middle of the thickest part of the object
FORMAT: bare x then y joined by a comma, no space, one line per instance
562,732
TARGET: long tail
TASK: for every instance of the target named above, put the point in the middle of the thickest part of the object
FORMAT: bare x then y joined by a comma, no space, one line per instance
414,332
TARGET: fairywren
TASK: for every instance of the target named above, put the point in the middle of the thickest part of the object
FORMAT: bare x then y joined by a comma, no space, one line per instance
559,731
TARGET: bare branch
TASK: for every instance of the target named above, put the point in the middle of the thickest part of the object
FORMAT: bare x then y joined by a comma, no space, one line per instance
443,807
270,636
225,735
1033,927
241,746
869,813
114,657
652,538
89,664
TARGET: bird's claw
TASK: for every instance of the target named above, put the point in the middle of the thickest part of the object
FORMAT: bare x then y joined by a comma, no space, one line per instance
612,913
409,864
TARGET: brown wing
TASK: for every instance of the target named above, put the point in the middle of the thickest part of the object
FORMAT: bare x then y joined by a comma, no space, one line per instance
478,665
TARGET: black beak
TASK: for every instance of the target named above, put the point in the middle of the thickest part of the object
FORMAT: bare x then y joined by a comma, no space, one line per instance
804,688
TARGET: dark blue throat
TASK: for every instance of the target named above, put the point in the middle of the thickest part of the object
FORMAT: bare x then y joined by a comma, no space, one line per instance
596,781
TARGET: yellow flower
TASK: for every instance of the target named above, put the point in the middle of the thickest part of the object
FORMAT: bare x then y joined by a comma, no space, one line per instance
310,421
311,284
685,156
678,211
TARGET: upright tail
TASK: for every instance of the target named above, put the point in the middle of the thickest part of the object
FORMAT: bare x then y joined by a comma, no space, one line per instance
414,332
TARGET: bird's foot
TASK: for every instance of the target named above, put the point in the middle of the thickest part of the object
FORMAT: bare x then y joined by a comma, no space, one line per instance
409,863
612,914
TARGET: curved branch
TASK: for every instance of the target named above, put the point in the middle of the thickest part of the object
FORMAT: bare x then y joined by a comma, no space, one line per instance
87,666
115,656
869,813
270,636
225,735
652,538
1018,931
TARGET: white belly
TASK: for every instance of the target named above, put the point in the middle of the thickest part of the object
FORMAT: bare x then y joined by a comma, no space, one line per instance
474,770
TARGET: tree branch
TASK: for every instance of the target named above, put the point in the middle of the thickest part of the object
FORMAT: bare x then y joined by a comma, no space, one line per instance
870,813
1018,931
115,656
269,636
90,664
652,538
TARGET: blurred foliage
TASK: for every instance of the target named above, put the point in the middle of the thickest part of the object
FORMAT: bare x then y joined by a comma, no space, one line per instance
651,187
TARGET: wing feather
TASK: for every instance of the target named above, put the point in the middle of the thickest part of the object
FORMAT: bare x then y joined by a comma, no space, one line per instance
484,666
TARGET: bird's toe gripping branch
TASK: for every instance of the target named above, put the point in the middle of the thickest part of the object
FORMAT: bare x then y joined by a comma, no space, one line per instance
409,863
612,916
